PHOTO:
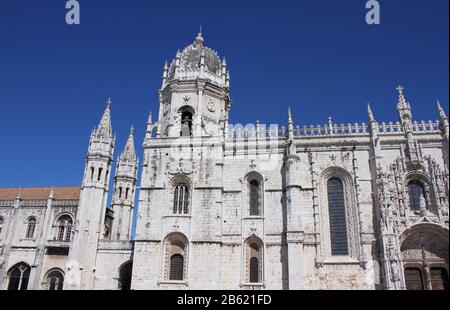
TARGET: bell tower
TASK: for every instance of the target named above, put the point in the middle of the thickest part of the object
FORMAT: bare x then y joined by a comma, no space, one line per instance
194,97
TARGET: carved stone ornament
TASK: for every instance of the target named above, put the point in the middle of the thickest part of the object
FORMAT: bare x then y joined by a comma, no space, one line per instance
211,107
181,167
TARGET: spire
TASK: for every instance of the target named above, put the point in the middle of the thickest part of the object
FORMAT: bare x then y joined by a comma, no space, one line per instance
150,126
402,103
19,194
370,113
150,119
441,110
50,196
165,74
290,124
104,129
129,153
373,126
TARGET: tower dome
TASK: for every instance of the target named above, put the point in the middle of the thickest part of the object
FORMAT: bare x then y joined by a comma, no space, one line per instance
196,61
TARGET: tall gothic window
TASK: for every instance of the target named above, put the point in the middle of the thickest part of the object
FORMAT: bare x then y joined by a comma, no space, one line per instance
337,215
186,124
176,267
64,226
176,253
254,261
181,199
55,280
255,198
18,277
31,228
416,195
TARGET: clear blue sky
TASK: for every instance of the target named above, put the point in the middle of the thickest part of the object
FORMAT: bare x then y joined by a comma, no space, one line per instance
319,57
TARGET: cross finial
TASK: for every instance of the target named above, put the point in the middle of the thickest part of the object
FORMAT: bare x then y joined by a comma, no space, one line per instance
400,89
132,130
199,39
108,103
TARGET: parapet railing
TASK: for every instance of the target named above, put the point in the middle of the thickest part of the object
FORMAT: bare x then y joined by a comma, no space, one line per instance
327,130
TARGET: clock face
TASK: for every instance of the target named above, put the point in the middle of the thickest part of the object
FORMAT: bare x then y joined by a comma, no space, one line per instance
211,107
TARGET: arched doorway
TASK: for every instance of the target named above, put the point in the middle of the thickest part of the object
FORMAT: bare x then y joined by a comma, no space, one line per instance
424,250
125,276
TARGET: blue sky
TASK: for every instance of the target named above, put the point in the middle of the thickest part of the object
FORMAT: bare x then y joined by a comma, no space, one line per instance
319,57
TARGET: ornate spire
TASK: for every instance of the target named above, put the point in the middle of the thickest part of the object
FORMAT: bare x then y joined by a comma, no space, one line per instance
402,103
150,119
104,129
290,124
441,110
129,153
50,196
370,113
289,115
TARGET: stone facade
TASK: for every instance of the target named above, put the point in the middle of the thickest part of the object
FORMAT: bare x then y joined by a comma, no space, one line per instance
221,206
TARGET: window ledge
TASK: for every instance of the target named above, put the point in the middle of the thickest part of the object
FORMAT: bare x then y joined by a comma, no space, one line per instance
177,216
254,217
253,285
341,260
168,282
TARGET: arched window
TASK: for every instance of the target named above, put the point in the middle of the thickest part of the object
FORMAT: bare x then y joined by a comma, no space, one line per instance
126,193
254,270
120,192
100,170
92,173
176,256
338,219
254,261
255,198
125,276
64,228
176,267
416,196
55,280
186,124
181,199
18,277
31,228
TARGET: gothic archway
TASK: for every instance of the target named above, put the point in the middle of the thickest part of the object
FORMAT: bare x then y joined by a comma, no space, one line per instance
125,276
424,250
